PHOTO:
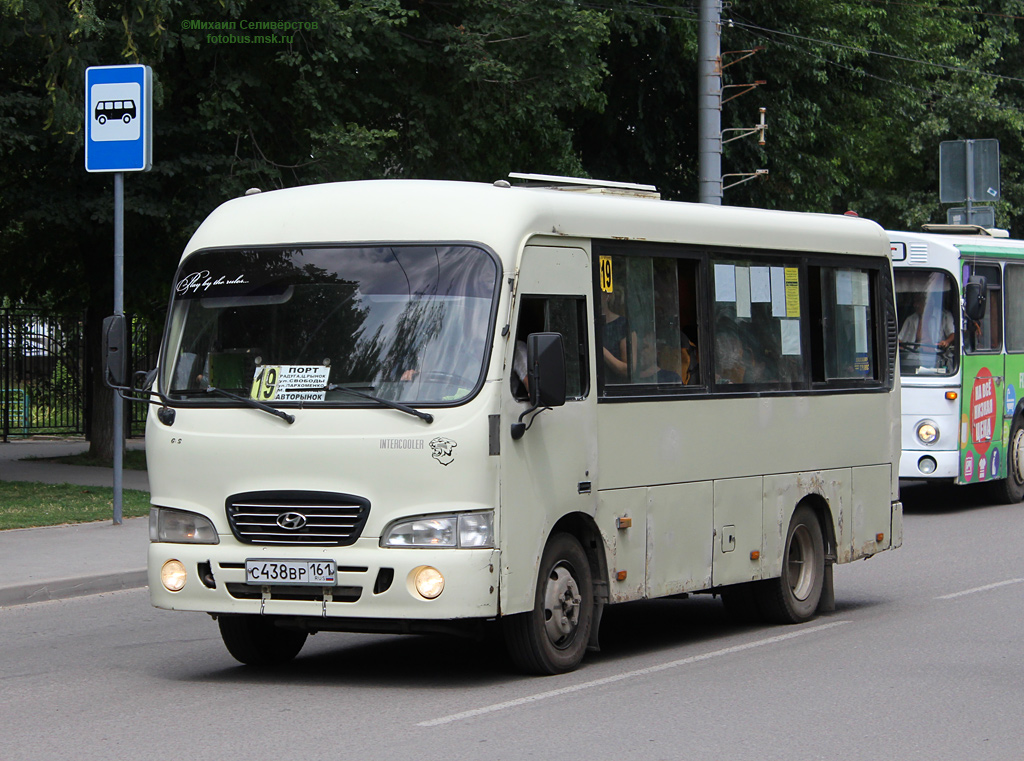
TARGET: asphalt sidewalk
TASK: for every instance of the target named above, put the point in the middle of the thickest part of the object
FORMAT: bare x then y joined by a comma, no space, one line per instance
57,562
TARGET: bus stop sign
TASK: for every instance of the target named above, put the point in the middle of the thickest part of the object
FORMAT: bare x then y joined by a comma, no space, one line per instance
118,118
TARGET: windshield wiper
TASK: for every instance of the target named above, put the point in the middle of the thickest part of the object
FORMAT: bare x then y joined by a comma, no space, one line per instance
386,402
251,403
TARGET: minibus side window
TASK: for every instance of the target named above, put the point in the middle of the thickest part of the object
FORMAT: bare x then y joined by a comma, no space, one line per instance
757,325
647,325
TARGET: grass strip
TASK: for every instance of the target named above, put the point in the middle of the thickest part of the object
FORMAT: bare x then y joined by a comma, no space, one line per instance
26,504
134,459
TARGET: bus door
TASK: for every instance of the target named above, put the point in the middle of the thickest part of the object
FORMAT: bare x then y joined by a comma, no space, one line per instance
548,472
984,397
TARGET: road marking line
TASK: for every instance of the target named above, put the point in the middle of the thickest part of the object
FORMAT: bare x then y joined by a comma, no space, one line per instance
627,675
980,589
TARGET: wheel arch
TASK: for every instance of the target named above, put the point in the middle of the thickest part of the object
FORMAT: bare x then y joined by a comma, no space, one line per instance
583,527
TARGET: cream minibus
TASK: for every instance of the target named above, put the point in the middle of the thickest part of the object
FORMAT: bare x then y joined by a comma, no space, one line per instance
419,406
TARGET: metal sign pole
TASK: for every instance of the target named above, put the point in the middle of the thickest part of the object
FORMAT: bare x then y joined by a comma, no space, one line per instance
118,139
118,310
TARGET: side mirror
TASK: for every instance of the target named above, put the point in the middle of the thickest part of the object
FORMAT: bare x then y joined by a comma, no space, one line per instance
975,294
545,361
115,351
143,379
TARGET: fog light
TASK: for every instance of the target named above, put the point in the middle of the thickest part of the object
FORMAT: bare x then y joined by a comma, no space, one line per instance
172,575
926,465
428,582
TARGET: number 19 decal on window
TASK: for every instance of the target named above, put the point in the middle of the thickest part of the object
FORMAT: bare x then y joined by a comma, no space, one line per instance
290,383
606,274
264,383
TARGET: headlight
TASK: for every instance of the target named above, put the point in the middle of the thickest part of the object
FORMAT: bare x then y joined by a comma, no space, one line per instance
927,432
181,527
464,530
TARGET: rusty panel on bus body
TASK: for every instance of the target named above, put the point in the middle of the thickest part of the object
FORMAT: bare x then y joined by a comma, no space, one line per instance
782,493
542,474
679,536
622,520
877,519
738,516
658,540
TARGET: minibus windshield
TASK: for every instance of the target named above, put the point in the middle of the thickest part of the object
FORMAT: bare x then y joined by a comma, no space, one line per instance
312,325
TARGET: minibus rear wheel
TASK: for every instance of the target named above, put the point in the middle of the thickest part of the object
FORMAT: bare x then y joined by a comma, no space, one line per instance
793,597
552,638
257,641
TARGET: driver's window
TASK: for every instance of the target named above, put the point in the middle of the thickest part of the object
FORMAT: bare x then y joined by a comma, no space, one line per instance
552,314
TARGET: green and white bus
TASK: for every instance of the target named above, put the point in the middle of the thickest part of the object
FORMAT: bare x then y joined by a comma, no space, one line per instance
960,297
417,406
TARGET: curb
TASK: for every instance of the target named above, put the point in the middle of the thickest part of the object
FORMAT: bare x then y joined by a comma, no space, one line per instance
80,586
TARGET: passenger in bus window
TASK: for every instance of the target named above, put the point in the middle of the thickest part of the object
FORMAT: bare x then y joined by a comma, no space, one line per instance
691,360
520,377
659,363
920,329
730,363
618,341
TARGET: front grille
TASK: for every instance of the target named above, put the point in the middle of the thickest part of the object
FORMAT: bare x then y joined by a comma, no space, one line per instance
294,518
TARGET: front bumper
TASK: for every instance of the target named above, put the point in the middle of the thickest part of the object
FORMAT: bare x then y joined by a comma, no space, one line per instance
372,583
947,464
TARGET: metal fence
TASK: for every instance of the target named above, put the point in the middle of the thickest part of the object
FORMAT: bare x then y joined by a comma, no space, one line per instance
44,377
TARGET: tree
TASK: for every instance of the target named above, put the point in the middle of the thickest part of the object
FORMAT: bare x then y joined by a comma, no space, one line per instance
466,89
859,94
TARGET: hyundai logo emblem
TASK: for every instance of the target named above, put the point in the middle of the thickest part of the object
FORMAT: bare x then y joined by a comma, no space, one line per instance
291,521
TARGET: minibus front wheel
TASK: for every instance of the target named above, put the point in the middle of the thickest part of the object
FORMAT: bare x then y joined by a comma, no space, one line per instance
552,638
258,641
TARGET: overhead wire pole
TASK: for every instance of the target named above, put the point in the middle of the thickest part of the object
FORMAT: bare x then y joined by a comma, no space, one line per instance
709,102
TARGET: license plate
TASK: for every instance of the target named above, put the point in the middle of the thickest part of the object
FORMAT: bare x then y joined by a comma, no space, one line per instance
317,573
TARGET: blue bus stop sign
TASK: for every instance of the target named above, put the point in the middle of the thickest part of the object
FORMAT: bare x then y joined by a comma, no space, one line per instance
118,118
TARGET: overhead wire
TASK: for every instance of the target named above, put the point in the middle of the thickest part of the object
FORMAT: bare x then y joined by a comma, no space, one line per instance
680,14
662,11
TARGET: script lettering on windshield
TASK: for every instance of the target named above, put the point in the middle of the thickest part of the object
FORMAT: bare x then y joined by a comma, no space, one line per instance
203,281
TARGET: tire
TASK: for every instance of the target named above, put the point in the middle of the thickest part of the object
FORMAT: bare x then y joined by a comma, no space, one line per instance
1010,490
257,641
552,638
101,119
793,597
126,119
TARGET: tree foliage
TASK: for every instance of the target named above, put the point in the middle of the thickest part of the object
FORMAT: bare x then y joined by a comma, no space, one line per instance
859,94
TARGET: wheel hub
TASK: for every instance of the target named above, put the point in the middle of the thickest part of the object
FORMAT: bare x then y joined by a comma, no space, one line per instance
801,576
561,605
1017,457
